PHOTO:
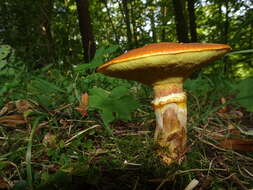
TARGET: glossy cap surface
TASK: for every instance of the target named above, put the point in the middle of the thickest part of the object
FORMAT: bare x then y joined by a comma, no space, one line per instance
164,62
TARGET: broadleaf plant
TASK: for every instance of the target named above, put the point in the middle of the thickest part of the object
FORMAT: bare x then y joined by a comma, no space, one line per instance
115,105
98,58
4,51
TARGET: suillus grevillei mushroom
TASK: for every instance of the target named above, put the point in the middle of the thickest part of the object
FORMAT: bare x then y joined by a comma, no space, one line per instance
165,66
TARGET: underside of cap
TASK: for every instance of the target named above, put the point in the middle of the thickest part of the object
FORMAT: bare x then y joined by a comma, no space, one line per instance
161,63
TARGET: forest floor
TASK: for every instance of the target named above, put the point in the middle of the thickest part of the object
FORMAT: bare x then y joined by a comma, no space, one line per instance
63,153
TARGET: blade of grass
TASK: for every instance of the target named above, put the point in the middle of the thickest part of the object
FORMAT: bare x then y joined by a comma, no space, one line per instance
29,153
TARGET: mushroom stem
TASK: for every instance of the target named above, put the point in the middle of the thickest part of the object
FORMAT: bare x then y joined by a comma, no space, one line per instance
171,117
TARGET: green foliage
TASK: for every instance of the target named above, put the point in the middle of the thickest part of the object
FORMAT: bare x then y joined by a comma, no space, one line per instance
12,72
199,86
20,185
4,52
98,59
44,91
114,105
212,87
245,93
59,180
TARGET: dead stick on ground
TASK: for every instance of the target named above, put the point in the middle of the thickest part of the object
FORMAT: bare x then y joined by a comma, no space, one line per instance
192,184
236,180
80,133
225,150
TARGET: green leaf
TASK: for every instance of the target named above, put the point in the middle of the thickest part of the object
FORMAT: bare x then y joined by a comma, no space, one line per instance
20,185
198,86
4,51
3,164
107,117
127,105
45,87
82,67
99,92
98,58
97,98
245,93
2,64
47,67
96,102
118,92
50,85
113,105
45,100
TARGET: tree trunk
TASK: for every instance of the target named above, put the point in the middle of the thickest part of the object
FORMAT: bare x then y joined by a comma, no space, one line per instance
45,27
127,22
88,41
250,43
164,22
226,24
227,65
153,29
192,20
111,21
181,24
133,19
151,16
220,22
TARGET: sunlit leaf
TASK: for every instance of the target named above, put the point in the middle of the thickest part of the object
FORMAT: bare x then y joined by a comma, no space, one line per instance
4,51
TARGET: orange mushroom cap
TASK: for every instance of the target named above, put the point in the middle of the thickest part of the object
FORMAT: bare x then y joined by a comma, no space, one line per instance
163,62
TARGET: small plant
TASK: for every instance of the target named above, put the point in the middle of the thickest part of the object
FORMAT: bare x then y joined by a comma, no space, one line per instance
12,73
114,105
245,94
243,89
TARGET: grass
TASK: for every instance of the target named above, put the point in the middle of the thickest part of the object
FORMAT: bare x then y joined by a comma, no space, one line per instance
60,149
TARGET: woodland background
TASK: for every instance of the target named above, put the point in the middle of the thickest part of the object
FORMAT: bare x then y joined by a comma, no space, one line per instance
62,125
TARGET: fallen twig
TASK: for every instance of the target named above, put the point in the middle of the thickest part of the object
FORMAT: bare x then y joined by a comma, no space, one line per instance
80,133
192,184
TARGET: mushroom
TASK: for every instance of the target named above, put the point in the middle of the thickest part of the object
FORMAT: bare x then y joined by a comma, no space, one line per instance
165,66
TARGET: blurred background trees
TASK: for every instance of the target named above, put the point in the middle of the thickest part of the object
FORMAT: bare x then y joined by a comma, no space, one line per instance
66,33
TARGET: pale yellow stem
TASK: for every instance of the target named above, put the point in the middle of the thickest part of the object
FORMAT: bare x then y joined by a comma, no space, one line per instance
171,117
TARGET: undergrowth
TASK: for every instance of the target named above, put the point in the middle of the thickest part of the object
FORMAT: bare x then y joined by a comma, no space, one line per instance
52,139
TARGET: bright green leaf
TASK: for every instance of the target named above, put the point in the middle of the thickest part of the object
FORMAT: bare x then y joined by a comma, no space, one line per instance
4,51
2,64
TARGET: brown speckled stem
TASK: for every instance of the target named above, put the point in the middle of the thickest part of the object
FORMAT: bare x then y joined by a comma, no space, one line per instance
171,117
